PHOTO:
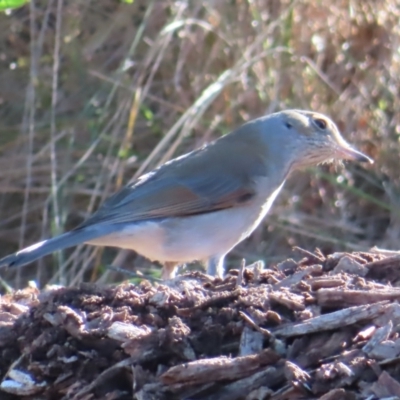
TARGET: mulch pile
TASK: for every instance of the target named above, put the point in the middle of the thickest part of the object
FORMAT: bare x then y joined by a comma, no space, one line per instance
323,327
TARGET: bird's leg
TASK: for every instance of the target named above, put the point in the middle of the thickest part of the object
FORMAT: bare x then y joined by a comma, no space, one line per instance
169,270
215,266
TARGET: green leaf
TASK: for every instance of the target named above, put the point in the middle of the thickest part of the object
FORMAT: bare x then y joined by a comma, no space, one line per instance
382,104
10,4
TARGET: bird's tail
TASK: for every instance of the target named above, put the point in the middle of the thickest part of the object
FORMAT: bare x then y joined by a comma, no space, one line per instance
49,246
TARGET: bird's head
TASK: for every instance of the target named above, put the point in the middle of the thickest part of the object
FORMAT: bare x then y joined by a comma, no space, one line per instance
315,139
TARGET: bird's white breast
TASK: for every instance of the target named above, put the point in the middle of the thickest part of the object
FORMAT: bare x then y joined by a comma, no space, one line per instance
197,237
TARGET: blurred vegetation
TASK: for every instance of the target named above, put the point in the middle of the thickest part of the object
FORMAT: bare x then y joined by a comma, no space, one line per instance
11,4
95,92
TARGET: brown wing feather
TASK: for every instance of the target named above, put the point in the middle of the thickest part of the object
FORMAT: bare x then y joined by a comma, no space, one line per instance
177,201
188,185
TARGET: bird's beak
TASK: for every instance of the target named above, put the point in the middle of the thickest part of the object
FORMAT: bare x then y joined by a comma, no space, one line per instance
348,153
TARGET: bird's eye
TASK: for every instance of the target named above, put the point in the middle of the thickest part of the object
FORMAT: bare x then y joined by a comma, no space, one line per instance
321,123
288,125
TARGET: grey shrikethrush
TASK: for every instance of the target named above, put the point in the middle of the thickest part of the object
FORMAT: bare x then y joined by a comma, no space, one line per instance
200,205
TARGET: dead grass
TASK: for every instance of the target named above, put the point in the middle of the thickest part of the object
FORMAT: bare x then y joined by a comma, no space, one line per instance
93,93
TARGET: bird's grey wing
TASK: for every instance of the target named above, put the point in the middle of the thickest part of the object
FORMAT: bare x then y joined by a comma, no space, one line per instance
162,198
188,188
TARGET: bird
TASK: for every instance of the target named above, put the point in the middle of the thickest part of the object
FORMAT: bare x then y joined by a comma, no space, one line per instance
200,205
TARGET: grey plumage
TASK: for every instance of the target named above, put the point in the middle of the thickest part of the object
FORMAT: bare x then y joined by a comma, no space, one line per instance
200,205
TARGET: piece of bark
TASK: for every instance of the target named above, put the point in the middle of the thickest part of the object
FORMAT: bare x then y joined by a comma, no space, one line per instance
290,300
122,332
343,371
257,267
386,386
175,338
386,350
239,278
258,381
310,312
216,299
17,309
136,341
261,393
388,262
218,368
251,342
375,367
333,320
365,334
72,321
333,374
7,319
380,335
105,375
294,373
21,384
338,394
349,265
298,276
392,314
311,257
273,317
152,391
325,282
347,297
263,331
288,266
308,351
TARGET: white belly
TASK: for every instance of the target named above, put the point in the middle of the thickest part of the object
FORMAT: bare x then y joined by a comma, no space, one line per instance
191,238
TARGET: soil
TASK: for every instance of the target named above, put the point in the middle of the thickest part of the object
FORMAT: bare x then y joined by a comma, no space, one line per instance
324,327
